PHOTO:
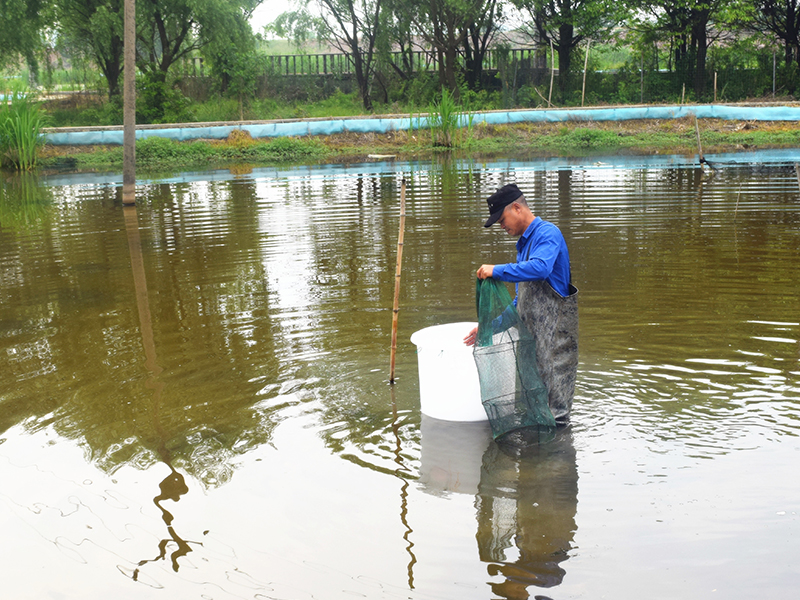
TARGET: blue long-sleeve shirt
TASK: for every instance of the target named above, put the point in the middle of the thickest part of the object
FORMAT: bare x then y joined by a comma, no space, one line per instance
541,254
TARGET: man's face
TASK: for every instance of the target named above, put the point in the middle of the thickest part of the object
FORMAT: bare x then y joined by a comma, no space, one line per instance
512,220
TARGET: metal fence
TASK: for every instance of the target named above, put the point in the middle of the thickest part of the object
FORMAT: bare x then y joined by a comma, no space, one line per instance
523,74
414,61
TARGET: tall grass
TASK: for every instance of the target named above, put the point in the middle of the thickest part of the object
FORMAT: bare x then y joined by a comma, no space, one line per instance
450,125
21,122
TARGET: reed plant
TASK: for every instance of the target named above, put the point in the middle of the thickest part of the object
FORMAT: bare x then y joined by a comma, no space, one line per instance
450,125
21,122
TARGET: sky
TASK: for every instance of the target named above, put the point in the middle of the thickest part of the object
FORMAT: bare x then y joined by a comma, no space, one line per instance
267,11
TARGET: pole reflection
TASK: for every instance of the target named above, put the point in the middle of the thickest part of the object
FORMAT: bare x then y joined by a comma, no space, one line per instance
402,473
173,486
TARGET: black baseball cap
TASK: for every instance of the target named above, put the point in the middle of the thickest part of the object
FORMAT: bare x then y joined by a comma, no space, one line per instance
499,200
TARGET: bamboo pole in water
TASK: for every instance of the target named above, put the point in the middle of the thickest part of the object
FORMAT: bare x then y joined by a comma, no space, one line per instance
699,145
396,307
703,160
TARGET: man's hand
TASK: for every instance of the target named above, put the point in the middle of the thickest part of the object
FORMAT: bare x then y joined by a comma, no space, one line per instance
471,337
485,271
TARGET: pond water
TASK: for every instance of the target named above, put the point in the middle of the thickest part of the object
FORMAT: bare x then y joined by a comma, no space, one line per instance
194,396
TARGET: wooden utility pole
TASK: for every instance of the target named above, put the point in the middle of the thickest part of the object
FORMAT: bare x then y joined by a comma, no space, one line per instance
129,106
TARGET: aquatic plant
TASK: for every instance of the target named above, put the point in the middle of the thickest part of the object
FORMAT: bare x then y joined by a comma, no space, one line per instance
443,120
450,125
21,121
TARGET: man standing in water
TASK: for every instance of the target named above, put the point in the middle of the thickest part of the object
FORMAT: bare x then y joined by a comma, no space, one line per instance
546,299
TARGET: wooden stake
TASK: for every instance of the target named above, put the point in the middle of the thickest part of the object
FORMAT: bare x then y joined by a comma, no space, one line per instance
699,145
396,308
552,73
585,65
715,86
797,172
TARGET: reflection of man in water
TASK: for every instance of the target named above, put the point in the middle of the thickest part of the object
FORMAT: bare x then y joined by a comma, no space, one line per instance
527,499
172,488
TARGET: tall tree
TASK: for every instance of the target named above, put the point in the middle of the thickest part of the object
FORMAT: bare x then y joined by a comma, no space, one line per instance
95,28
397,37
781,18
480,34
21,24
692,26
445,26
567,23
353,26
169,30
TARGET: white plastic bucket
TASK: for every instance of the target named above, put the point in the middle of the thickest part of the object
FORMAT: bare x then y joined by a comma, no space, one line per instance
449,388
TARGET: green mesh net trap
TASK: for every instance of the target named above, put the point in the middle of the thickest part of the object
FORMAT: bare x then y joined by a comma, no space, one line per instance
512,391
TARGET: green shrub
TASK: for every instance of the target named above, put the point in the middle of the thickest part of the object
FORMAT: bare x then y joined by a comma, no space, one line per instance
107,113
338,104
218,109
156,150
159,102
289,149
421,90
584,138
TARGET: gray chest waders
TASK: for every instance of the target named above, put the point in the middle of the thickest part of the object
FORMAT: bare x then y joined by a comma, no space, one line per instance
553,320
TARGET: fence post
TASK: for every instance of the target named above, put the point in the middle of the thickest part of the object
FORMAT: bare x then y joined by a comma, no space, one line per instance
552,73
585,65
641,79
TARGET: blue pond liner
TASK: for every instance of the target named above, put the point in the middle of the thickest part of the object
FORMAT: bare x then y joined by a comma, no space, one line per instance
296,128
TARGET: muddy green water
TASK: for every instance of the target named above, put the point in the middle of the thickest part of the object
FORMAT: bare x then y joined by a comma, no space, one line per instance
194,397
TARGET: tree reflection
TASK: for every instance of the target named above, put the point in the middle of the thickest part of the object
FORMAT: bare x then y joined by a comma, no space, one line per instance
173,486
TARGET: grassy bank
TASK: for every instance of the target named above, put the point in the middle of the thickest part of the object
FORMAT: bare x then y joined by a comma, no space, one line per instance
531,140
